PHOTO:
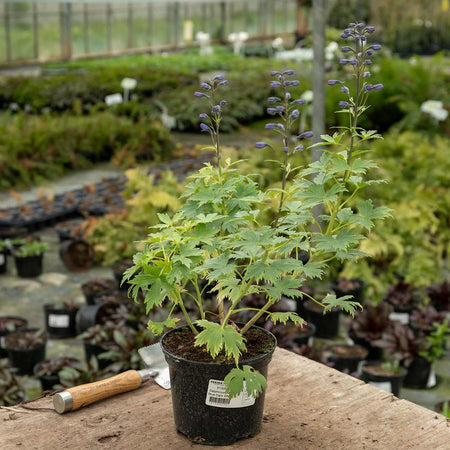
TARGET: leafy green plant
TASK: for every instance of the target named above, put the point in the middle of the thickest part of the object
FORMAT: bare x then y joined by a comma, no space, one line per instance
33,248
436,342
217,236
392,366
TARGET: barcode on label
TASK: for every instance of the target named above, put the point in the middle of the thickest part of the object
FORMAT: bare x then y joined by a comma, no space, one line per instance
222,401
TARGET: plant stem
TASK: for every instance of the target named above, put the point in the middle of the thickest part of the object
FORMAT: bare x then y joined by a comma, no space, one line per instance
253,320
185,313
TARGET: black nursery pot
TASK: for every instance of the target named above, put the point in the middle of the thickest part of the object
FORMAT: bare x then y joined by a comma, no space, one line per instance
327,325
18,322
25,359
29,266
305,334
202,410
418,373
347,357
375,353
60,322
356,291
394,380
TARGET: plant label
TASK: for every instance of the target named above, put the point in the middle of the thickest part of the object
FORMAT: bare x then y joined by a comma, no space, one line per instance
384,385
58,320
403,318
217,396
431,382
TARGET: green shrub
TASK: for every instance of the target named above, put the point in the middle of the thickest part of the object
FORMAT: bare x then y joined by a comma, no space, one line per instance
35,147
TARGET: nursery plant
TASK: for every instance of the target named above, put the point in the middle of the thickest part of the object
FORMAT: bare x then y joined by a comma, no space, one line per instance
216,240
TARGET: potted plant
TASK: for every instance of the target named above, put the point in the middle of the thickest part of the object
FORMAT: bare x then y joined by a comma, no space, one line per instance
11,389
344,357
404,298
425,318
9,324
48,371
26,347
97,286
439,294
28,258
60,320
388,376
369,325
219,367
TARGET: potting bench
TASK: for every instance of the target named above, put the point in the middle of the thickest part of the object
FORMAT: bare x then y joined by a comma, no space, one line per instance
308,406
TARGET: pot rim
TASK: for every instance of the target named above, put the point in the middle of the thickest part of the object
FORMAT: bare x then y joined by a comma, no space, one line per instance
231,364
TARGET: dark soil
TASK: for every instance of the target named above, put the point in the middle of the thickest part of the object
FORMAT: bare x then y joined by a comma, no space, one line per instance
98,285
348,351
25,339
380,372
181,343
9,324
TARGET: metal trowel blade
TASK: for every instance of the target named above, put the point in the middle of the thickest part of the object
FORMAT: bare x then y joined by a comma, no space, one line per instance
153,358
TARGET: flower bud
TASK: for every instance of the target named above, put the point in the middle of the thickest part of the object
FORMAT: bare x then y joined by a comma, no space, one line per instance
333,82
343,104
306,135
273,100
205,86
200,94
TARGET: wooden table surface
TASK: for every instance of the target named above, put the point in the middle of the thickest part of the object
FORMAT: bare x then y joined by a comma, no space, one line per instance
308,406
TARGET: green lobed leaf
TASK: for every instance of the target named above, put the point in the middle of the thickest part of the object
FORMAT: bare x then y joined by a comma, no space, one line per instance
284,317
253,381
330,302
158,327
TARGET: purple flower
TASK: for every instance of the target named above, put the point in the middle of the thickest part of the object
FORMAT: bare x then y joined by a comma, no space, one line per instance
202,116
223,83
205,127
376,47
295,83
343,104
218,78
223,102
279,109
275,84
274,72
333,82
370,30
369,52
299,101
286,150
345,90
353,62
366,74
377,87
351,25
271,111
295,114
344,62
273,100
368,62
305,135
298,148
270,126
345,49
216,109
279,126
368,87
288,72
205,86
262,145
360,25
286,82
200,94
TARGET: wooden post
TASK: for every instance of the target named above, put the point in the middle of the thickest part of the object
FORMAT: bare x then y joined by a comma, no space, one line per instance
109,27
66,30
7,19
130,25
176,23
35,31
86,28
318,82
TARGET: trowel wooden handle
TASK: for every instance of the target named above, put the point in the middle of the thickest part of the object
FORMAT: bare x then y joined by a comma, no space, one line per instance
79,396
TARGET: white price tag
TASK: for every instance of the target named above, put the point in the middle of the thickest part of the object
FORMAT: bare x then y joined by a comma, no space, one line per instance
58,320
384,385
217,396
2,259
431,377
403,318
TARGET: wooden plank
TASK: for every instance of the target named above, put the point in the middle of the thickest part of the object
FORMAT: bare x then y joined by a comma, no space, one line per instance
308,406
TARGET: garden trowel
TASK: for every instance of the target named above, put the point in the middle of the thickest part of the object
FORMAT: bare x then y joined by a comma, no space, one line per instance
85,394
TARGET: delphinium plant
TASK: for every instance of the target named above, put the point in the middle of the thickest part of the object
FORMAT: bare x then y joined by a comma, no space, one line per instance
218,235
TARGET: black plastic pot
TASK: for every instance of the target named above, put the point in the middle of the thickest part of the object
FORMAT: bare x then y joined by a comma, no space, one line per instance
418,374
96,287
201,408
305,334
76,254
327,325
29,266
88,316
60,322
25,359
348,359
391,383
18,323
356,292
375,353
94,350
